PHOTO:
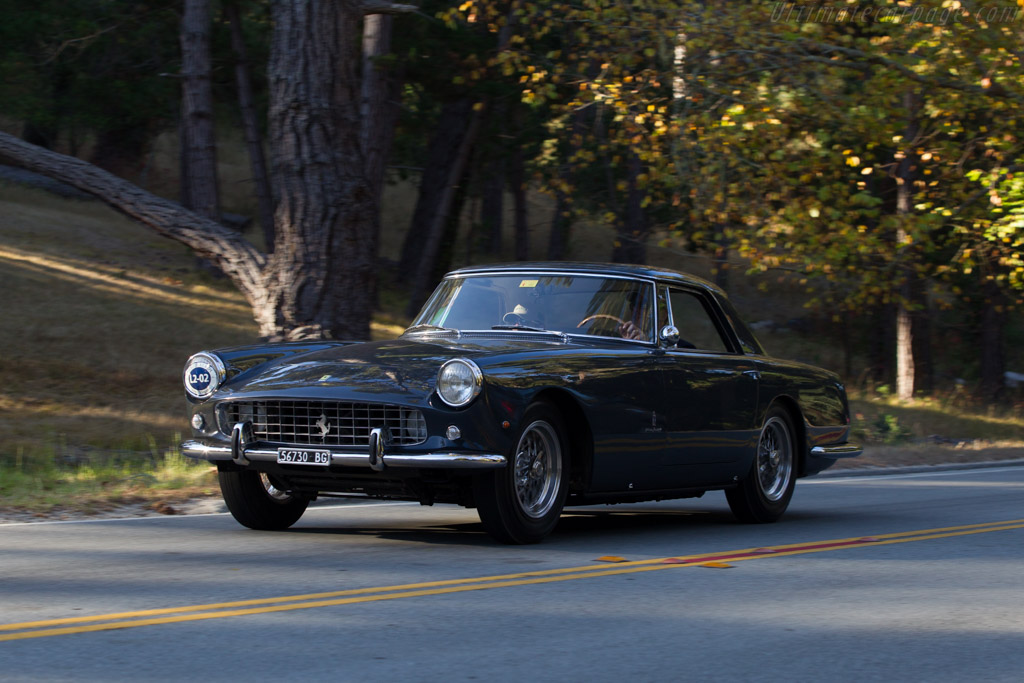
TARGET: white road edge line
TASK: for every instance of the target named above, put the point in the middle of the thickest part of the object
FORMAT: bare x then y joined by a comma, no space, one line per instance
905,475
191,516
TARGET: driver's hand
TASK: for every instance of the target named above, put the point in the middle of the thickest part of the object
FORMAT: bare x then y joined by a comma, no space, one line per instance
628,330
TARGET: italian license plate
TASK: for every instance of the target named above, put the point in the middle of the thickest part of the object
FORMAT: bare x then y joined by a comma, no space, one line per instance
303,456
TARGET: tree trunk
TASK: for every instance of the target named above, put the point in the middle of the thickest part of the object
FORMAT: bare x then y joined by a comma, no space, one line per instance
199,178
462,126
904,194
251,126
561,221
517,179
449,235
882,343
226,248
380,99
322,269
991,349
436,179
904,354
380,105
632,229
921,333
492,205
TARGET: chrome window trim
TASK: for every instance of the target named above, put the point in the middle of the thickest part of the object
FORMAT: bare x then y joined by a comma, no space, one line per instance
716,316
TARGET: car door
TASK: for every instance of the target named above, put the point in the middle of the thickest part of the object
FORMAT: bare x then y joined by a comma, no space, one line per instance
622,391
711,391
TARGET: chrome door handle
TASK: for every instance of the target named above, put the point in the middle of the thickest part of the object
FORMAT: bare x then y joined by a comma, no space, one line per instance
752,373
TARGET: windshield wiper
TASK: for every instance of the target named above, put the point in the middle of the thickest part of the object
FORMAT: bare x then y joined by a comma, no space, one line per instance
528,328
525,328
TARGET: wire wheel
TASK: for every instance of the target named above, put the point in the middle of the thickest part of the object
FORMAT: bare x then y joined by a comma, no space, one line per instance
764,494
775,459
278,494
538,469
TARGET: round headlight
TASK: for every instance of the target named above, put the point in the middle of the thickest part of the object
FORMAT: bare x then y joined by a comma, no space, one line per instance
203,374
458,382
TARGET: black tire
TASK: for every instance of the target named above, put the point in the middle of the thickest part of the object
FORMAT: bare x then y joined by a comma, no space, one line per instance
764,494
254,500
521,503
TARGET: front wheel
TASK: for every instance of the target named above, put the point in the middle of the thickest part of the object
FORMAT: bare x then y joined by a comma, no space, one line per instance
766,491
259,501
522,502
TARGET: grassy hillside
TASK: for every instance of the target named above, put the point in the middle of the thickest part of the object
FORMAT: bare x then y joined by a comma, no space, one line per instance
99,316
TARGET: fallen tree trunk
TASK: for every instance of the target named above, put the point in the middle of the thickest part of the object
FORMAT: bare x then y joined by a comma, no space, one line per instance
239,259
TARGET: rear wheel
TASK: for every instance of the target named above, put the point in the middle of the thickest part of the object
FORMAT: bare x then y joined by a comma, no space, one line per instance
521,503
766,491
259,501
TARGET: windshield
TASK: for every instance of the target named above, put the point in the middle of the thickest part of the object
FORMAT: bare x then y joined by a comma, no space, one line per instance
574,304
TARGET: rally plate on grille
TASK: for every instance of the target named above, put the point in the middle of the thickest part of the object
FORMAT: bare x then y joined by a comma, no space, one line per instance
303,456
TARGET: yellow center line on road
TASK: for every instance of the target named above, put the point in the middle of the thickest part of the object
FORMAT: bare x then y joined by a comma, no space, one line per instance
171,615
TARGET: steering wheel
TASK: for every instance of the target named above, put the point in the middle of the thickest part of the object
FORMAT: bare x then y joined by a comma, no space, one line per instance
512,318
601,315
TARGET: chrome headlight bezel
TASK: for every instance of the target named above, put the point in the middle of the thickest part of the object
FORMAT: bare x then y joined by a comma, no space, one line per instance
460,388
204,361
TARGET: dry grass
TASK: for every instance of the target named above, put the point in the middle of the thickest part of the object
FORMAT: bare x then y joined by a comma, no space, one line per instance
100,315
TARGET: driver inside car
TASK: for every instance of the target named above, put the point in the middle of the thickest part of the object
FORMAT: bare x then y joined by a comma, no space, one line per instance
629,330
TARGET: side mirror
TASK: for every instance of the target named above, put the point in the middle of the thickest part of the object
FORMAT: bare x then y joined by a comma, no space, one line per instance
669,335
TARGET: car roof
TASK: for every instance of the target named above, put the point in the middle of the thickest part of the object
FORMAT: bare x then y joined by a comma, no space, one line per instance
585,268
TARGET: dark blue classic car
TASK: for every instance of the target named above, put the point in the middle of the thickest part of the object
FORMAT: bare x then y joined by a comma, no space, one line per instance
518,390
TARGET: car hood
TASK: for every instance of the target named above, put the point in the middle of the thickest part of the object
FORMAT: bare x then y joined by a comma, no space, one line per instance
403,370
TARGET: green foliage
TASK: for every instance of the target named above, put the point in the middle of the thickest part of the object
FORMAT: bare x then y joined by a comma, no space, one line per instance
887,429
78,67
47,480
782,136
994,240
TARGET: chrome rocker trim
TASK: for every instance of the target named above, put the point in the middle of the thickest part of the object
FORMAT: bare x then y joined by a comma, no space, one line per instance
203,451
845,450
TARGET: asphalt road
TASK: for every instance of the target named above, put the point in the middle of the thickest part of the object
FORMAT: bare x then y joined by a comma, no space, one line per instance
903,578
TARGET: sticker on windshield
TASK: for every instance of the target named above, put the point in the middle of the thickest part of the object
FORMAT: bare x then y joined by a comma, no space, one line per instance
528,283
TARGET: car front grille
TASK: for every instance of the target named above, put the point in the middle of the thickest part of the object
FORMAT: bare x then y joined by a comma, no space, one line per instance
324,423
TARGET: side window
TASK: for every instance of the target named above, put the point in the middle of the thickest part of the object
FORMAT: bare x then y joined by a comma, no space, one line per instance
697,330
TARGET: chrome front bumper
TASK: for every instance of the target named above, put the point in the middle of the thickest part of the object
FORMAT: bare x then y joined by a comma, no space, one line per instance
374,457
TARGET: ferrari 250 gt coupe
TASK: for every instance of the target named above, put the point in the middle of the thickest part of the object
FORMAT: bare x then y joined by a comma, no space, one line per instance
518,390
